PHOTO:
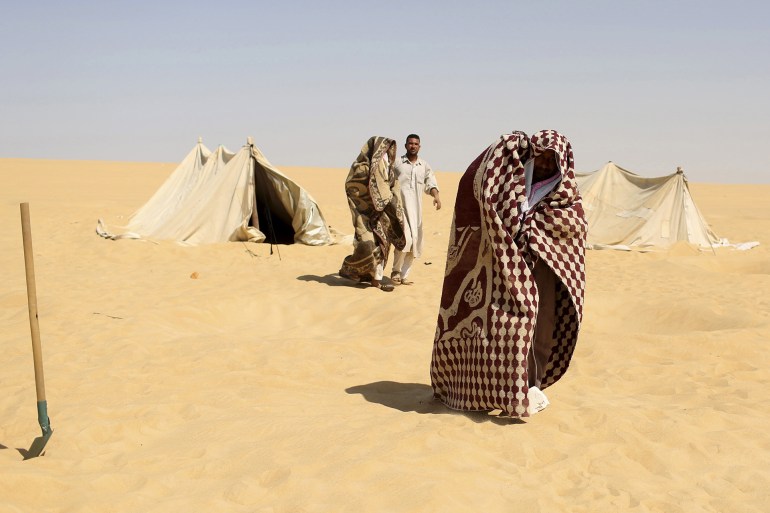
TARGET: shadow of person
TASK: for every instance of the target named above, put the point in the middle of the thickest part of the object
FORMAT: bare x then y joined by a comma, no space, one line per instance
418,398
334,280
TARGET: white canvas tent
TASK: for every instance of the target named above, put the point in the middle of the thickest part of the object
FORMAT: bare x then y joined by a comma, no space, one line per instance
224,196
627,211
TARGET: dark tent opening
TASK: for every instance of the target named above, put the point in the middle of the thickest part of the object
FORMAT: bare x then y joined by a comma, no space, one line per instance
272,219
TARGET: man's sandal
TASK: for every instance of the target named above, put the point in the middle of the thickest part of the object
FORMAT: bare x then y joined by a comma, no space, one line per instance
385,287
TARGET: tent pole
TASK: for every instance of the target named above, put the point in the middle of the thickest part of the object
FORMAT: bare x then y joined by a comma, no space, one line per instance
680,171
254,212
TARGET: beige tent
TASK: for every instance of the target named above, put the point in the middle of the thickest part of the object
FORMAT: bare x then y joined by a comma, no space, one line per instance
224,196
627,211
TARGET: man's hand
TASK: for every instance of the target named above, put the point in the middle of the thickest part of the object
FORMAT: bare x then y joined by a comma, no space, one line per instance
436,199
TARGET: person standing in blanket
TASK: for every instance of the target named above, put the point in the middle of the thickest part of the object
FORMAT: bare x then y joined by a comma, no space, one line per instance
375,206
512,297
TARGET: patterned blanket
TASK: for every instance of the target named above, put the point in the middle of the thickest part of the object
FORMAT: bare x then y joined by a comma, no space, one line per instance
378,217
512,299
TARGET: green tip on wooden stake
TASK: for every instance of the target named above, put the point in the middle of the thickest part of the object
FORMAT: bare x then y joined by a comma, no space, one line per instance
42,417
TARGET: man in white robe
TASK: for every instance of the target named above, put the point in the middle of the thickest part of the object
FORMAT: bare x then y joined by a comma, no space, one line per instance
416,178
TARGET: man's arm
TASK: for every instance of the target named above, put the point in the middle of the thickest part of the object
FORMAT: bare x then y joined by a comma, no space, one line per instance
431,186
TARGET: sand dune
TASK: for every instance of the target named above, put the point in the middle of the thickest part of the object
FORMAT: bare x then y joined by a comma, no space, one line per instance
229,378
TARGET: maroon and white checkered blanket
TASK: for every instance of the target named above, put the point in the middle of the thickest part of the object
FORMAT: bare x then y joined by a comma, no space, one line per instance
483,357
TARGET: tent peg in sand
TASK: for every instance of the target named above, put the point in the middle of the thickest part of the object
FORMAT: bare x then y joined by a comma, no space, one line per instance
38,445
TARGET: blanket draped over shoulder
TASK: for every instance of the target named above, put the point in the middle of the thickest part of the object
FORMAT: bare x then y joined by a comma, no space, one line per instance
510,269
378,216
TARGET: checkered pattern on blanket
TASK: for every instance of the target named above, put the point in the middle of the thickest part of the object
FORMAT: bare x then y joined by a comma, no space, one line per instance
489,300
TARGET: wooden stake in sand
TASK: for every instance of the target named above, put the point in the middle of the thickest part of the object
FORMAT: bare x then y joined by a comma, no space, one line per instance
42,406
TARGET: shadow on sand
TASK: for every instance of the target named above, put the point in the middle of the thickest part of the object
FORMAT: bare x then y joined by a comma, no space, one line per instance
418,398
37,448
334,280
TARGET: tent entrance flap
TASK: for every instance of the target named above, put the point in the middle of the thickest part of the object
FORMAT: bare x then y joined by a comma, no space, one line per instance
271,217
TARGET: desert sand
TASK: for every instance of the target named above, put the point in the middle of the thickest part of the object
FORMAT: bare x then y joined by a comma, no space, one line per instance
230,377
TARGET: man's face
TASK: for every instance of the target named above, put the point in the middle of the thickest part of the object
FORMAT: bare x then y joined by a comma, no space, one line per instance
545,166
412,146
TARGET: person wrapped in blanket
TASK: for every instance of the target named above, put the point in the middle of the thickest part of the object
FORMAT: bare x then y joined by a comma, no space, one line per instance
512,297
378,216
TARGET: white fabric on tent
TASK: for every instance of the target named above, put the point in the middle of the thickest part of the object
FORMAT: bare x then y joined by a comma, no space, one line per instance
174,191
223,197
627,211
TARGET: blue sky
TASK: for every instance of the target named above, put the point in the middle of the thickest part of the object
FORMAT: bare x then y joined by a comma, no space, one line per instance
650,85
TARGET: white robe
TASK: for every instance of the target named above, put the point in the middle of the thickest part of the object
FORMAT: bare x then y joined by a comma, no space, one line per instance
415,180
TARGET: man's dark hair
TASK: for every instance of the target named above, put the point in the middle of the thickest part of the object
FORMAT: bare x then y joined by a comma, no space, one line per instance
412,136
